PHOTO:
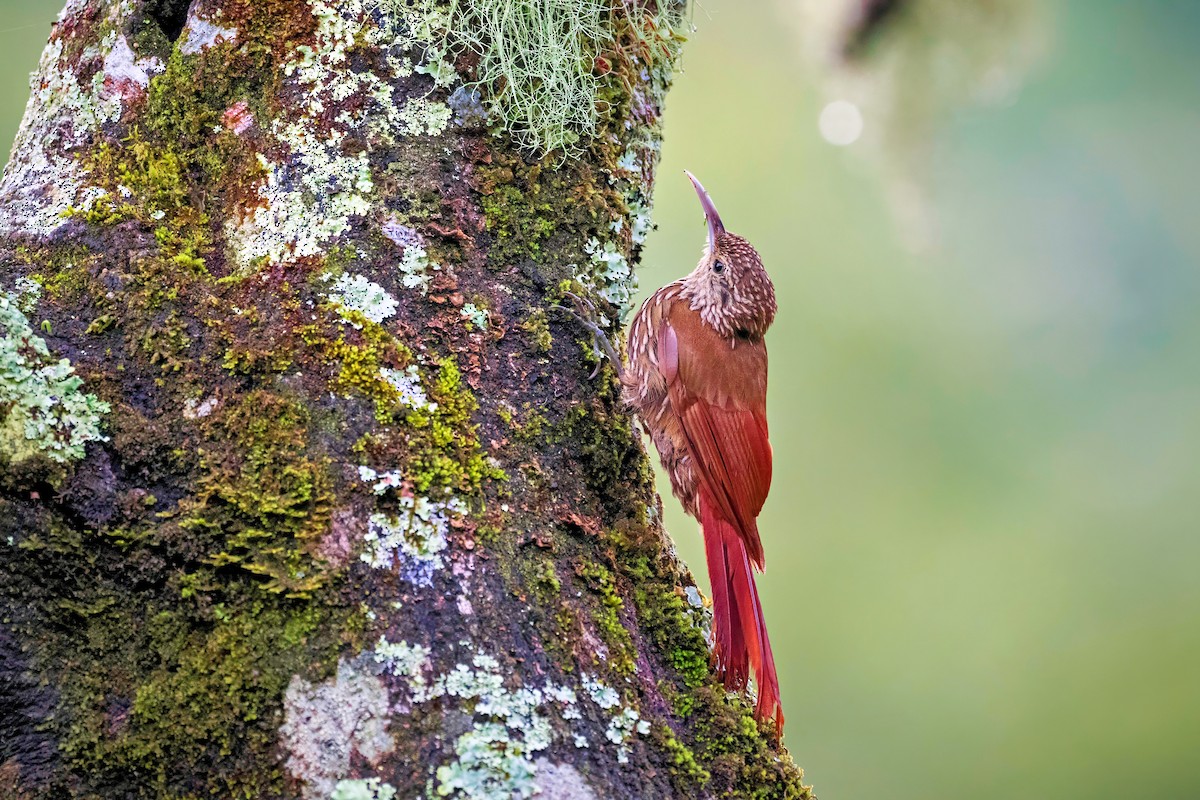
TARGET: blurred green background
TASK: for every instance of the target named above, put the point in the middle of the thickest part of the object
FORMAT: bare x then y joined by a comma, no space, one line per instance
982,539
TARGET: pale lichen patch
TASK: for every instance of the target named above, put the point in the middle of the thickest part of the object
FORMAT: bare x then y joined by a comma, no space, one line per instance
630,176
609,275
561,782
124,73
384,482
327,724
42,408
412,539
193,409
416,269
323,173
307,200
354,293
199,34
468,108
26,294
72,8
409,661
475,316
409,386
623,722
43,179
495,759
363,789
401,234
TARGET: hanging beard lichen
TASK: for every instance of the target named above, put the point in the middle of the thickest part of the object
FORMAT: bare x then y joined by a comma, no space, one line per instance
541,66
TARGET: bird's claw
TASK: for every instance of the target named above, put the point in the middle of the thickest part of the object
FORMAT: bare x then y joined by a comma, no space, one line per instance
585,313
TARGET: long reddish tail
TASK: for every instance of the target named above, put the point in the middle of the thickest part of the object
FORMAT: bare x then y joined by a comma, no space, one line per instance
741,632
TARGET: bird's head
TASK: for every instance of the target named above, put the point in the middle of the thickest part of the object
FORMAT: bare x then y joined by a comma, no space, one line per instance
729,287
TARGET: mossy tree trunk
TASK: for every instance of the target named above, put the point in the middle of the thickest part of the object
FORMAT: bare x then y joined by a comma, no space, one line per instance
305,489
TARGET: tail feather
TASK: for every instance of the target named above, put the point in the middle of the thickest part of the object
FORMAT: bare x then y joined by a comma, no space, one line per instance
742,644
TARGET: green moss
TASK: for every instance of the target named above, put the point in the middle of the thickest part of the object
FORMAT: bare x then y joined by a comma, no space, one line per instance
359,350
534,424
247,360
687,775
147,183
532,577
269,29
506,416
437,445
166,174
735,750
682,644
258,483
175,699
533,210
101,325
537,327
530,427
602,438
444,444
143,181
526,230
178,633
158,698
607,616
488,535
361,371
61,270
185,109
432,436
545,579
566,630
261,505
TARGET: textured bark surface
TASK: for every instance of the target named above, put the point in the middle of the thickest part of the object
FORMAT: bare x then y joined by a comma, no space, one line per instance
305,489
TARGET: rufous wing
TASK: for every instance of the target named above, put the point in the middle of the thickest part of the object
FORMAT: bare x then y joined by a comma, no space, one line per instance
718,391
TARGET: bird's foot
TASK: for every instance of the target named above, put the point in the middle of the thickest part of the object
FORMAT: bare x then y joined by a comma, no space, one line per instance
585,314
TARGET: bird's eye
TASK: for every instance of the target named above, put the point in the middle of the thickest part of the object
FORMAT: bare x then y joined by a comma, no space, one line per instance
719,266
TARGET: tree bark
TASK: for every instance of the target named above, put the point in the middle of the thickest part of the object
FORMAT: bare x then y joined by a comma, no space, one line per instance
306,489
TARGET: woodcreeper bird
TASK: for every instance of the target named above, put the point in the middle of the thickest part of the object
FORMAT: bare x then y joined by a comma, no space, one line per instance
697,377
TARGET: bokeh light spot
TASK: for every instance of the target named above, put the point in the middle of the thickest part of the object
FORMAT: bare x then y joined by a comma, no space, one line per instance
841,123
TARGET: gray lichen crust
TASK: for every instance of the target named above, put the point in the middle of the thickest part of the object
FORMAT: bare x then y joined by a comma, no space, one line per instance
322,501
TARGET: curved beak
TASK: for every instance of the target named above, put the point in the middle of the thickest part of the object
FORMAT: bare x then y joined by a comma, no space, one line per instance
715,226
